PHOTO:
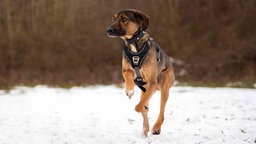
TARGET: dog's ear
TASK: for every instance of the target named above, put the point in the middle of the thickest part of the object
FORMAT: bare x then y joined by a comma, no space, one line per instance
142,18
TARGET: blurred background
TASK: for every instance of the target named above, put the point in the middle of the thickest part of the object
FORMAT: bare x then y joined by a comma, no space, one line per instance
64,43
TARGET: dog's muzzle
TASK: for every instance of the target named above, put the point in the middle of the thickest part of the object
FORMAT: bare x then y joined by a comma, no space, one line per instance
112,32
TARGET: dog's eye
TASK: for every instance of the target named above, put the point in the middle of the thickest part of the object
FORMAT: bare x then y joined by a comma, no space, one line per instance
124,19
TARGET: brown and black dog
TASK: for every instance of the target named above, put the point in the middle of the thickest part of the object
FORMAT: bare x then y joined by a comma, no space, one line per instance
156,69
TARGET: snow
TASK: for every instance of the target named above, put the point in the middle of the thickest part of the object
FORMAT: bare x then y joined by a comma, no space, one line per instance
104,115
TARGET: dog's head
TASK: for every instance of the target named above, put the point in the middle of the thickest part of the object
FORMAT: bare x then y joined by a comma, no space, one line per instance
128,22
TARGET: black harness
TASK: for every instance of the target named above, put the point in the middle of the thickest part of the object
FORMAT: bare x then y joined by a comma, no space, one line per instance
136,58
135,38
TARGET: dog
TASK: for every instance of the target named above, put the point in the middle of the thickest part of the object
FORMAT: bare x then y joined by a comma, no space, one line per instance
144,63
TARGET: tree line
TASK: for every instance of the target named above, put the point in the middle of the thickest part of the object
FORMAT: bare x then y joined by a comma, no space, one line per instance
64,43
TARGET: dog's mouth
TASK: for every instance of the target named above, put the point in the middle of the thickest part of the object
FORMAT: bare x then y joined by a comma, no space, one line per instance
112,32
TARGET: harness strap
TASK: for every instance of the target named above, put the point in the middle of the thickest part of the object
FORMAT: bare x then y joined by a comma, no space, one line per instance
136,60
135,38
138,80
158,53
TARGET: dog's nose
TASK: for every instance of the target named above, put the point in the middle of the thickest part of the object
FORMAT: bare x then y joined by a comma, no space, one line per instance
110,30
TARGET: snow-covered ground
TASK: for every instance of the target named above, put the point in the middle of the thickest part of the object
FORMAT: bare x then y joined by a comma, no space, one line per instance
104,115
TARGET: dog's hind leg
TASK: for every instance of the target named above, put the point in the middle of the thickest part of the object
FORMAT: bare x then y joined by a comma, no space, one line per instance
168,79
164,97
145,123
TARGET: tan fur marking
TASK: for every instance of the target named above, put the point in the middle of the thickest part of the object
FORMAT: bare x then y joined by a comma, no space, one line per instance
133,48
131,28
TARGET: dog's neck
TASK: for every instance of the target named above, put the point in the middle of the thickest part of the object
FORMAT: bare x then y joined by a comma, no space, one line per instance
136,42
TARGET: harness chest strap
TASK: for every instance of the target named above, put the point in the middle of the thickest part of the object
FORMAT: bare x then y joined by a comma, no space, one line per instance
136,60
138,80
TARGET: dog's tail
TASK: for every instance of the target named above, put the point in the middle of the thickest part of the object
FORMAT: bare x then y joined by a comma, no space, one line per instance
176,61
179,66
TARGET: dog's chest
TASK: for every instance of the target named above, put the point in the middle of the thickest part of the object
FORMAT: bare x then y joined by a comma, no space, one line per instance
133,48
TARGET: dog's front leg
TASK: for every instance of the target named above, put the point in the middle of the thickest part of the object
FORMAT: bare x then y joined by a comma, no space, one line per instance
145,123
145,120
128,78
129,83
144,99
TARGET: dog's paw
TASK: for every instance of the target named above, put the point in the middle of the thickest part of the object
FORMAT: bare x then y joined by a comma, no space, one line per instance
129,93
156,130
